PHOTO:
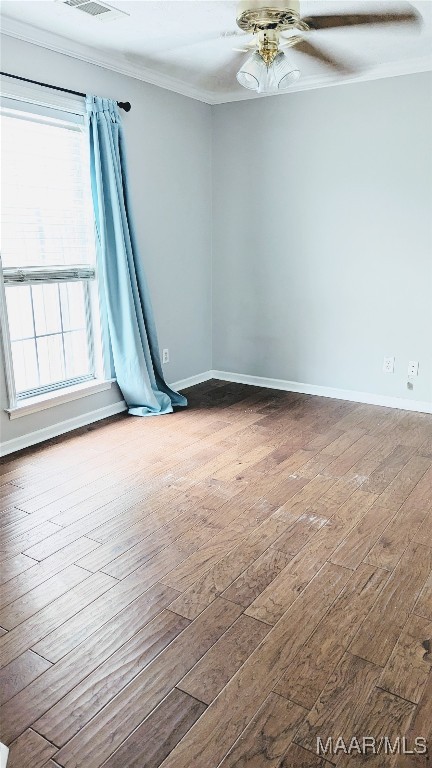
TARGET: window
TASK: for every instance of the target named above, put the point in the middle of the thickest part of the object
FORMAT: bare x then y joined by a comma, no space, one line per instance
52,332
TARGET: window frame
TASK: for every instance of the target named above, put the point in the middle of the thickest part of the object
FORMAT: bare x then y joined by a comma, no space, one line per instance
72,111
52,277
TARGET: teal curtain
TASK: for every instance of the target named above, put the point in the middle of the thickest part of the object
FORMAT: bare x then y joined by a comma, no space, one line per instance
134,343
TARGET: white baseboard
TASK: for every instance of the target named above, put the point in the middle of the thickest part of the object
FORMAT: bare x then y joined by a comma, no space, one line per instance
192,381
314,389
4,752
62,427
32,438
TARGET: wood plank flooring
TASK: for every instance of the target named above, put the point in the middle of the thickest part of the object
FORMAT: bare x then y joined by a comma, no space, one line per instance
219,587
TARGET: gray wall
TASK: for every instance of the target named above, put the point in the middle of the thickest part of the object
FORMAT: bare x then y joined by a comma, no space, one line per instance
169,152
322,236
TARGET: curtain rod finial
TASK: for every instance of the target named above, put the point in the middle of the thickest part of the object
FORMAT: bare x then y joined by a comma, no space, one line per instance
126,105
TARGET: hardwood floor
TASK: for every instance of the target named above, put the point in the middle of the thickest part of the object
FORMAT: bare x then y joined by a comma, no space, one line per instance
219,587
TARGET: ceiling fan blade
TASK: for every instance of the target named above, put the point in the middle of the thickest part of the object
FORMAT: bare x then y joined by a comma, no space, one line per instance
177,45
312,50
332,21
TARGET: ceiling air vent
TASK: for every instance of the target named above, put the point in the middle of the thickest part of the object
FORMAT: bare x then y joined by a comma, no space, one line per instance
100,11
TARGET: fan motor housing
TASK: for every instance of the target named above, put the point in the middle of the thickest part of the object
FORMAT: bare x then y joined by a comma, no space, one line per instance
255,15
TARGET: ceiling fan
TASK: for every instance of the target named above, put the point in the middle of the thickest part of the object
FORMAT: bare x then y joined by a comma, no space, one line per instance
277,24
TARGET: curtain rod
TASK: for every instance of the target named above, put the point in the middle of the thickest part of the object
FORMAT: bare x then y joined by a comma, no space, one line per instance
122,104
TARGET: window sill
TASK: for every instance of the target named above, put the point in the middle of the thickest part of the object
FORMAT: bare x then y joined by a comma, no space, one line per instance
51,399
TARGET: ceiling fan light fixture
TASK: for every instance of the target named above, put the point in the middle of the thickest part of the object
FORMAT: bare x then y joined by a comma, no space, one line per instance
285,73
252,72
258,76
268,70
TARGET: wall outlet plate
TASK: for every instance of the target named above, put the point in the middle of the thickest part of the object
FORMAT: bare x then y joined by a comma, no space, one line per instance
165,356
413,367
388,364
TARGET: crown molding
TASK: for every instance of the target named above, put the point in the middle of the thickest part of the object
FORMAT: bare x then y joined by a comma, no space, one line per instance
115,62
393,69
111,61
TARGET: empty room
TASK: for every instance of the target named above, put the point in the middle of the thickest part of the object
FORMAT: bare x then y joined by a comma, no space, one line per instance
216,384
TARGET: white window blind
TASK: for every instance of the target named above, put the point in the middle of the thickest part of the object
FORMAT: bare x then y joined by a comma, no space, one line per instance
46,210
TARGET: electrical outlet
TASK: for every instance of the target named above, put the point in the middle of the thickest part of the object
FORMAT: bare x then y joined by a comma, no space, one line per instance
165,356
413,367
388,365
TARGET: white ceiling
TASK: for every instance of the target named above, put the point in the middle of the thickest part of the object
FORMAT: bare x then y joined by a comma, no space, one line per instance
186,45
